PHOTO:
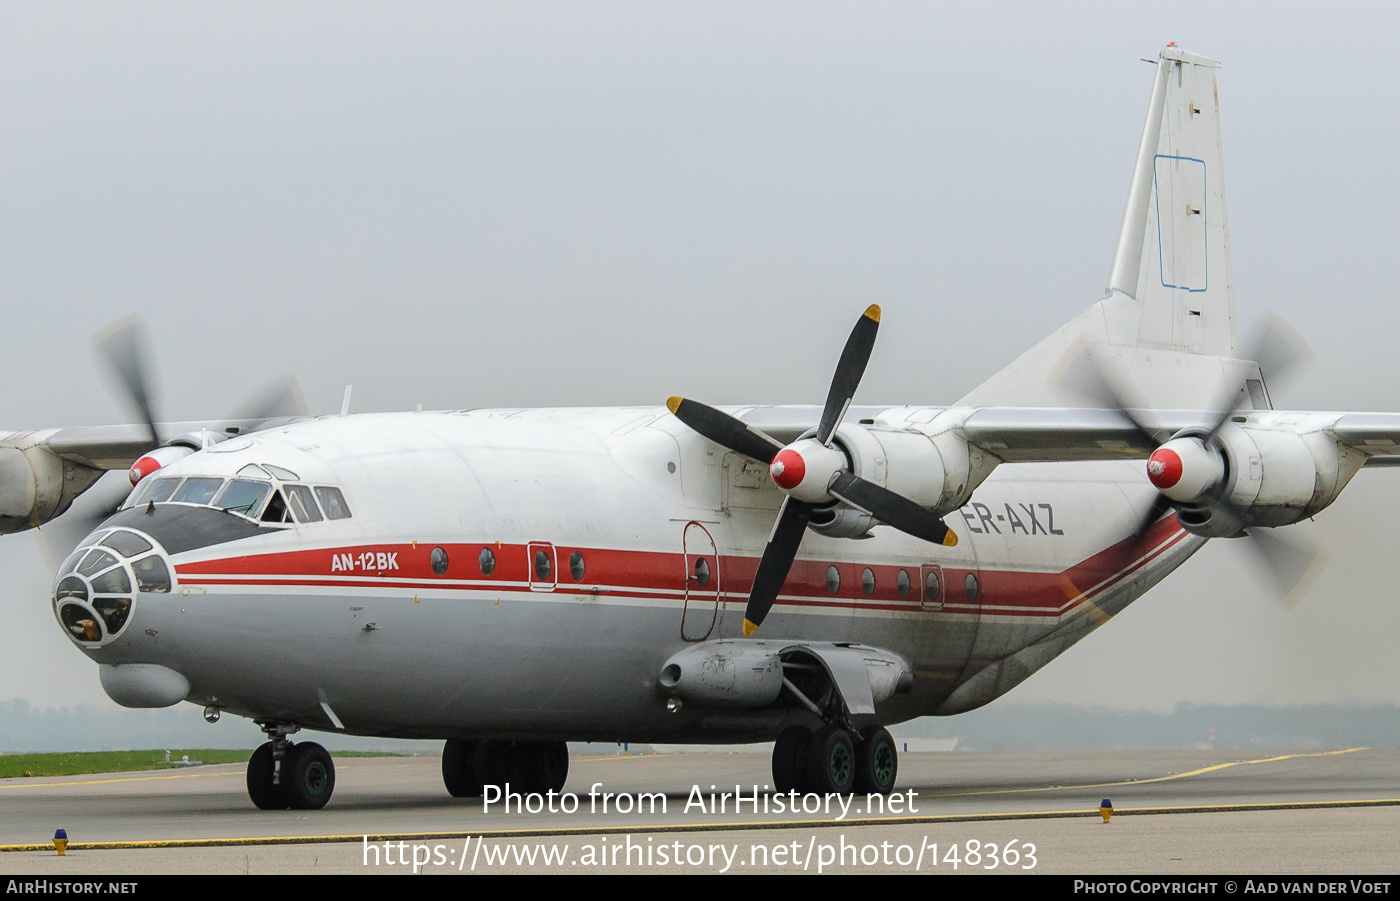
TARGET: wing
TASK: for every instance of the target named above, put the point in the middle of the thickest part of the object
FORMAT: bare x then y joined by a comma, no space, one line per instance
43,471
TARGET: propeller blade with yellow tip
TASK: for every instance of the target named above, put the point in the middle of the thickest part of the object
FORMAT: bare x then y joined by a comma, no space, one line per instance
725,430
849,370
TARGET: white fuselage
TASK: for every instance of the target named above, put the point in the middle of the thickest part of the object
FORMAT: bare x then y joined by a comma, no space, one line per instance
649,537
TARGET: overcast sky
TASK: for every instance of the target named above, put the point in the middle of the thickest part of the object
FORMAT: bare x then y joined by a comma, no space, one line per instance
608,203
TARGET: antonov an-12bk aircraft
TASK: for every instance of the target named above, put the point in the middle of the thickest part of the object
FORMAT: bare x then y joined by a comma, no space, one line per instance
510,580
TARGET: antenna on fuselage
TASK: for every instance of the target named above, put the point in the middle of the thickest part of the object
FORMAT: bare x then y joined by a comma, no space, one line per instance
345,401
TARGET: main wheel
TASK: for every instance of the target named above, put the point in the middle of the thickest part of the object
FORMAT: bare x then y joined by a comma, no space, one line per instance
877,761
829,763
493,762
458,769
264,794
540,766
787,758
308,776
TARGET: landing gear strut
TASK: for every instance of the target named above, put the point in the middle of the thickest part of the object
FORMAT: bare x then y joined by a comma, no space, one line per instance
527,766
282,774
834,760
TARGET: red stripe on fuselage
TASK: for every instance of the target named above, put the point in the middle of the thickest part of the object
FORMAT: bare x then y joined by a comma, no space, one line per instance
662,576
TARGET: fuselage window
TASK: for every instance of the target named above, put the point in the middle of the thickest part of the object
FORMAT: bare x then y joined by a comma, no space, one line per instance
576,566
932,588
333,502
487,561
833,579
901,583
867,581
197,491
438,559
542,567
244,496
971,587
702,572
303,504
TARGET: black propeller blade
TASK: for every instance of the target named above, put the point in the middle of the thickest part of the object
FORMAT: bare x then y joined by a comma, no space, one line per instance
124,348
725,430
849,370
1290,565
122,345
884,505
892,509
776,562
280,399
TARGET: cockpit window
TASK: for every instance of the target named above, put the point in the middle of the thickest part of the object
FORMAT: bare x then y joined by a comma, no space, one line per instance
151,574
244,496
248,495
113,581
333,502
302,503
98,585
276,510
152,491
197,491
128,544
95,561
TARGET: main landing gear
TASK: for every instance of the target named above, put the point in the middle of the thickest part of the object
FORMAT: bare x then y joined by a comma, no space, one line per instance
530,767
833,759
282,775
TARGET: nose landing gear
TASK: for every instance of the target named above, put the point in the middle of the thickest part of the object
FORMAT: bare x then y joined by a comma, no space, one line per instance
282,775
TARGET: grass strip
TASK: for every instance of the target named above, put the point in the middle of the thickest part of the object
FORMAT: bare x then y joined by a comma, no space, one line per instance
75,763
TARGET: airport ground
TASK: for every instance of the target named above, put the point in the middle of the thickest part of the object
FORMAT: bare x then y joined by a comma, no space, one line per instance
1176,812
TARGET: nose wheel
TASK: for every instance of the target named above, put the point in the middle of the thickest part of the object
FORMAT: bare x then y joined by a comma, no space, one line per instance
284,775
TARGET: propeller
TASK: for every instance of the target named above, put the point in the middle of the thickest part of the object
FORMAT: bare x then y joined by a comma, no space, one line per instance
811,472
1190,470
122,344
123,347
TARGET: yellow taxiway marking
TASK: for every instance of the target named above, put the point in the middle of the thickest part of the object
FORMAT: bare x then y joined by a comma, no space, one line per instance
1168,778
659,829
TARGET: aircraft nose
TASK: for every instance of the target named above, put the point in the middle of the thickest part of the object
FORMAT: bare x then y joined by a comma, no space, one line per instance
99,585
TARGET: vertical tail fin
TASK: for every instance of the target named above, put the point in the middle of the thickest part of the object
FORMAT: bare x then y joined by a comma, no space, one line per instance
1173,253
1169,311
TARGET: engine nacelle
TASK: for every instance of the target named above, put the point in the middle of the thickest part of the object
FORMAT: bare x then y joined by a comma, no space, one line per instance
932,471
36,486
1269,476
156,460
176,448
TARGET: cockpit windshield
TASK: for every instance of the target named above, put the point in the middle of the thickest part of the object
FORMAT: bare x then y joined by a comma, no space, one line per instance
256,498
243,496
